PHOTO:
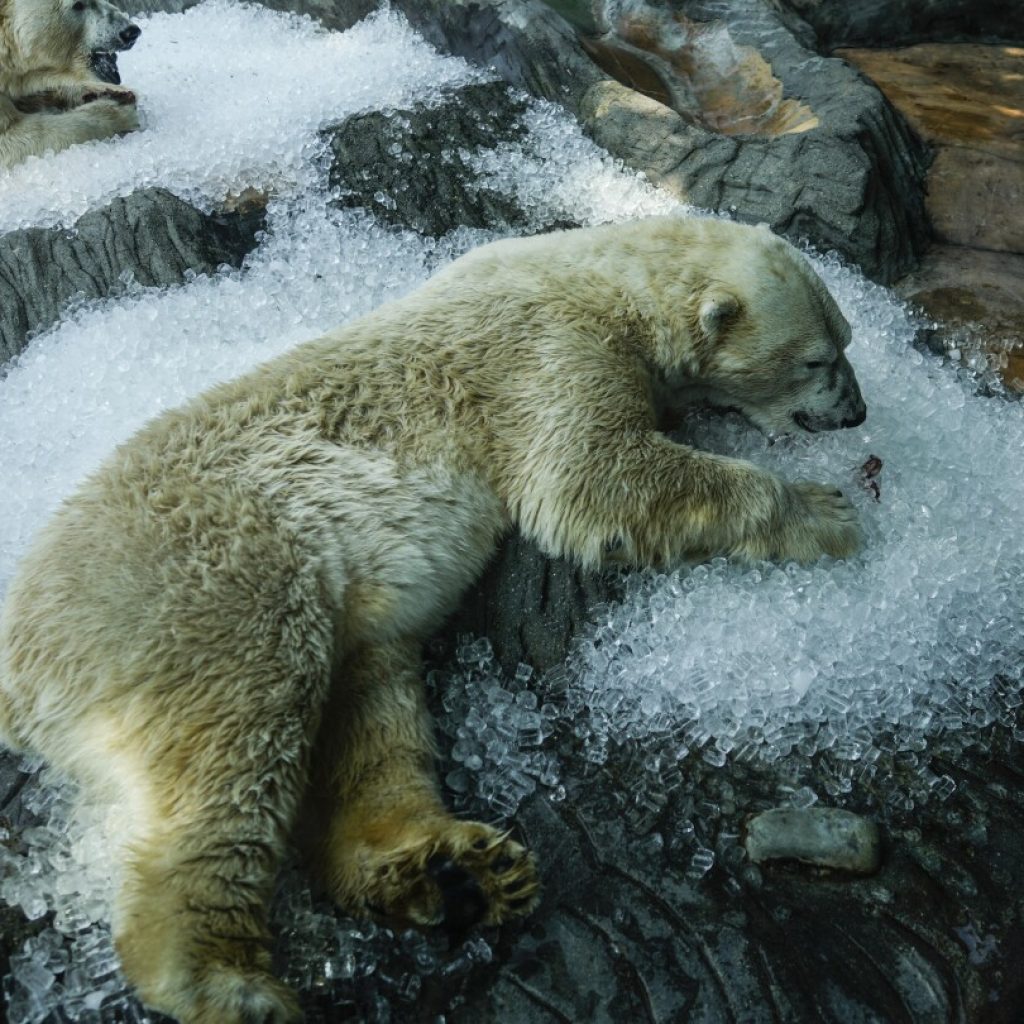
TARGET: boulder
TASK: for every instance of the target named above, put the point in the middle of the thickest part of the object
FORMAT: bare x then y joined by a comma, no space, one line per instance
150,238
964,100
904,22
435,146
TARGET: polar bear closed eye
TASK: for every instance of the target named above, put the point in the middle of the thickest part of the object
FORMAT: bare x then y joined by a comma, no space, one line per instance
50,98
224,624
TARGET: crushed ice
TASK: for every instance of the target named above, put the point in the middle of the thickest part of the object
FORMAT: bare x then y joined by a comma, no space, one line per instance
837,678
218,117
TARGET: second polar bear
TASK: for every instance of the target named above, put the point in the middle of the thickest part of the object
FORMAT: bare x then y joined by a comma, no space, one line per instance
223,626
50,98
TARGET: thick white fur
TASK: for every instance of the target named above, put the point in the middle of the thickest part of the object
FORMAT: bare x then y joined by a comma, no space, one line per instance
49,97
233,605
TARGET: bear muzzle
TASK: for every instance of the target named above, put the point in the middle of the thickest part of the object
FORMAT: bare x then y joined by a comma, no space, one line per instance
127,36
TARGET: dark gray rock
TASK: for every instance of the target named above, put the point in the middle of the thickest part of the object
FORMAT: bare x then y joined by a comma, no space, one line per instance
149,238
624,932
854,183
904,22
412,170
529,606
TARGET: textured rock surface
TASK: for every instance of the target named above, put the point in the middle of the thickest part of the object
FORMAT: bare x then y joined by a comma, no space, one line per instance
967,101
435,146
149,238
977,298
902,22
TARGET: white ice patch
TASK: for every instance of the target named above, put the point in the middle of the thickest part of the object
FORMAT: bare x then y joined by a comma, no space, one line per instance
909,633
556,172
230,96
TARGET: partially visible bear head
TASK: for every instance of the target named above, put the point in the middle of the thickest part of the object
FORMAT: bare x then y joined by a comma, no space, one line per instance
69,29
769,337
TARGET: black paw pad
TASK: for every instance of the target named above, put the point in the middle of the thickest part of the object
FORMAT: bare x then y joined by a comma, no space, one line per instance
462,898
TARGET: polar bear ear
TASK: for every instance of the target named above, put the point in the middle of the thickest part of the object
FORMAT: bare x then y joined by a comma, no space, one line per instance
716,309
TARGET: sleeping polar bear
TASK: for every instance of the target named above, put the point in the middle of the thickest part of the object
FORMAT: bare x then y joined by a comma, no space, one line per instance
223,626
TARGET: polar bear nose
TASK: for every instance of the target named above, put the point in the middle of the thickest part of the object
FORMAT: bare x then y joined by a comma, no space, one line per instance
129,35
858,419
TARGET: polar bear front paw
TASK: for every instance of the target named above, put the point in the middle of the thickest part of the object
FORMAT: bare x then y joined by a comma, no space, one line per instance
819,521
456,874
108,117
115,93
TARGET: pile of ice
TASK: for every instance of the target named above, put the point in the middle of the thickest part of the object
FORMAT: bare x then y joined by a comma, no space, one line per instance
63,868
855,670
219,116
839,678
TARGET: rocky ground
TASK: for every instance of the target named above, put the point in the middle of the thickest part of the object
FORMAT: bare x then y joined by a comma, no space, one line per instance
966,100
628,929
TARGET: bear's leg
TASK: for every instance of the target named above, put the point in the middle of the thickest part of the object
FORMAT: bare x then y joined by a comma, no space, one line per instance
223,772
386,844
23,135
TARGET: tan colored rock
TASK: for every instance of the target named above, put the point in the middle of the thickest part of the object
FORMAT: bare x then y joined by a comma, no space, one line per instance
701,72
963,94
979,296
967,100
974,198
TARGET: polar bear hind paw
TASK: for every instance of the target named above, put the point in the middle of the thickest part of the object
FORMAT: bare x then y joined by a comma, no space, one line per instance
457,876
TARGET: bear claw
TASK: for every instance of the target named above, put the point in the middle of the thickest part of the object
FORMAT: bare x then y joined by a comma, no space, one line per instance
457,875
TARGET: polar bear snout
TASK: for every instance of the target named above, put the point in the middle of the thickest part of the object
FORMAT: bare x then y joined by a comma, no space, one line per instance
858,418
105,27
128,36
850,412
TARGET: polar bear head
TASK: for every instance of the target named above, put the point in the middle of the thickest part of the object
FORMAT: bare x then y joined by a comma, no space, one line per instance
57,32
772,339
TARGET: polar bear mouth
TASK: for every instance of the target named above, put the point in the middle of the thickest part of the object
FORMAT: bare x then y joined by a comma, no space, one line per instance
803,421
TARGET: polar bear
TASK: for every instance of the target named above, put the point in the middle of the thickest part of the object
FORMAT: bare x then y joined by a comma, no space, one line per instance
223,625
50,98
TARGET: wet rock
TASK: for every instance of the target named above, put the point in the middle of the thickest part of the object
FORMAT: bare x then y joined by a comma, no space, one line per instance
976,299
826,837
831,163
965,100
903,22
399,166
149,238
